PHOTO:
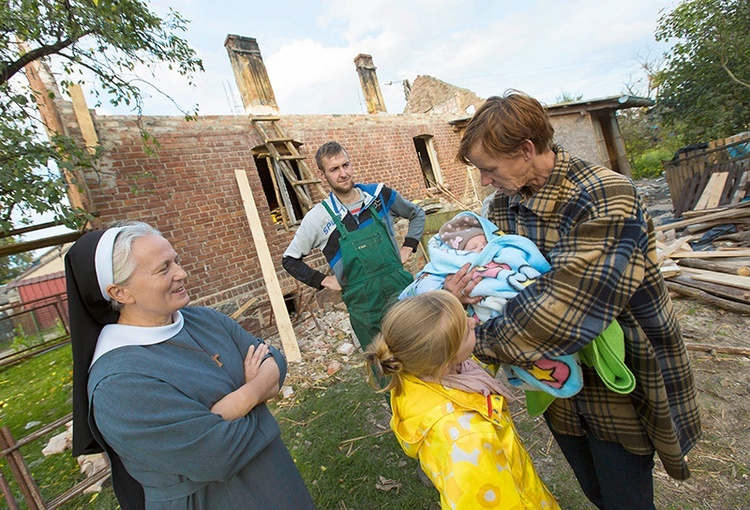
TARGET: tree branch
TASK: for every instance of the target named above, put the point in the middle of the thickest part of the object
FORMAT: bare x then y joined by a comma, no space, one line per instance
8,71
731,75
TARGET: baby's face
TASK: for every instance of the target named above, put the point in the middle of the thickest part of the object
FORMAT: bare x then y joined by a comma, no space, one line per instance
476,243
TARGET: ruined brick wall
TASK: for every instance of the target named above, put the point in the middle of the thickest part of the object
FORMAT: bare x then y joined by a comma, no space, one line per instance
430,95
381,147
189,192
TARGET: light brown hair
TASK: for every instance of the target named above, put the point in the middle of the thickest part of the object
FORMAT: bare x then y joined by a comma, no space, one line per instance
420,335
503,123
328,150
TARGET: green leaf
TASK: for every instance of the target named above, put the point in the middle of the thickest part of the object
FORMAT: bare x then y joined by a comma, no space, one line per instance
704,89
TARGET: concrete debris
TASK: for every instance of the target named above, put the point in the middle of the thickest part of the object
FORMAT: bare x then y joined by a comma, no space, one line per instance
91,465
327,347
57,444
60,442
346,349
287,391
333,367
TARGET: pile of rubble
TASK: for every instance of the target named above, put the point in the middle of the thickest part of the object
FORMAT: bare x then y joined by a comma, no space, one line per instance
90,465
699,258
328,346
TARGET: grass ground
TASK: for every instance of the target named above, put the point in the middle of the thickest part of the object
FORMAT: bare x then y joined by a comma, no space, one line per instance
336,431
340,439
33,394
338,436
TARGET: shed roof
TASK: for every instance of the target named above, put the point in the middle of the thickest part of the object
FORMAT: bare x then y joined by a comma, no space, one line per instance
603,103
600,104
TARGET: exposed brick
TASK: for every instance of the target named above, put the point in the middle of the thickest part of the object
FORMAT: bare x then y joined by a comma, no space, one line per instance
188,190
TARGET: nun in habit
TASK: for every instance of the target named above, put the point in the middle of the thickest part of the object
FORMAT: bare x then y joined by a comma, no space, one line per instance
174,394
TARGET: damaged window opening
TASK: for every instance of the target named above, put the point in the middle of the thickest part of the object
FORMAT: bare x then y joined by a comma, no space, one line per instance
282,201
290,300
428,161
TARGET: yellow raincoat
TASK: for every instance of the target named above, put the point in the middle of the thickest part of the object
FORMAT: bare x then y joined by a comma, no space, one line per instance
468,446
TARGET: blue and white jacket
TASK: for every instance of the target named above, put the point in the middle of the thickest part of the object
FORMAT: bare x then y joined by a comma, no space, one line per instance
318,231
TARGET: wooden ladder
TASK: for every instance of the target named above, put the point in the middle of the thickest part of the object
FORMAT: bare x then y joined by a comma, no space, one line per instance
282,153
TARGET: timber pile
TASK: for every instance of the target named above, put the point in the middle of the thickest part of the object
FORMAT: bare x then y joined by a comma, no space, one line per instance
718,274
706,254
711,176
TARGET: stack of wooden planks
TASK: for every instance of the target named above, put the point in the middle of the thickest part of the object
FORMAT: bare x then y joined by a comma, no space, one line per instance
720,276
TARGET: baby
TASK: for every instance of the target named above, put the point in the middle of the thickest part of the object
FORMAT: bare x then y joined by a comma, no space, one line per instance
507,265
463,232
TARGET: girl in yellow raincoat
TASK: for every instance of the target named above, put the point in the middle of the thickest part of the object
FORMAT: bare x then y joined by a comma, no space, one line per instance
448,412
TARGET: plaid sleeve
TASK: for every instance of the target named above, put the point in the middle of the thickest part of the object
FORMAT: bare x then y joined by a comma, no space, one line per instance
596,243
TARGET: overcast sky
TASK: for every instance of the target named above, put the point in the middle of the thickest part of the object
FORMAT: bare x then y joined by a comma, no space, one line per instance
543,47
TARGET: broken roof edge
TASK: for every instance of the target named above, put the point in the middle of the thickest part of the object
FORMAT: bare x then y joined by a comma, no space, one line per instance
620,102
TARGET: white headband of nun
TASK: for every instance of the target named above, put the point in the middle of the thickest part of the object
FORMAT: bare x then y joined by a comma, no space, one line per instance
103,260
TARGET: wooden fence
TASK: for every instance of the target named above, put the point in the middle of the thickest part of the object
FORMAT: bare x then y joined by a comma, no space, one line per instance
10,452
710,177
21,320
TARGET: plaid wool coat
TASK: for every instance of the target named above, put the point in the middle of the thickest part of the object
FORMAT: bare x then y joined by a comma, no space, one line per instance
594,228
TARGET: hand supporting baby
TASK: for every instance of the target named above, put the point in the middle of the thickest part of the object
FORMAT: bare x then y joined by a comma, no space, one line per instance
462,284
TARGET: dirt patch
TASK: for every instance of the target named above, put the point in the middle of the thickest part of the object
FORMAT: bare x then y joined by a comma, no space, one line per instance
720,463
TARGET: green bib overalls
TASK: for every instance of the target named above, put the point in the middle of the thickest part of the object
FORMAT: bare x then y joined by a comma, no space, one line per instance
373,271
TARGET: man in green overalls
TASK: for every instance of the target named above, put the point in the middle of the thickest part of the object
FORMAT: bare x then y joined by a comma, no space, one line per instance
353,227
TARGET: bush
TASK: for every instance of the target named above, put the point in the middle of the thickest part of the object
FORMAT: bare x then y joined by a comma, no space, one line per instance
23,341
648,164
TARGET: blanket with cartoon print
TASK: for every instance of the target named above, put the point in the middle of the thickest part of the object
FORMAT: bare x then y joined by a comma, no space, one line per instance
508,263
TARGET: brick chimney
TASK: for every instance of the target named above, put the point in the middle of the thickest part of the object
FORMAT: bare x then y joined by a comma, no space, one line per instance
251,76
370,86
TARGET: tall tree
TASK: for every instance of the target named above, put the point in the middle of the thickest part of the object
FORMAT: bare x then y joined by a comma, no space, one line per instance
704,89
113,41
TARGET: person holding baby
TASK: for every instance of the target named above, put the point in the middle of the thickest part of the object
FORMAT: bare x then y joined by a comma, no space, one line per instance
592,226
